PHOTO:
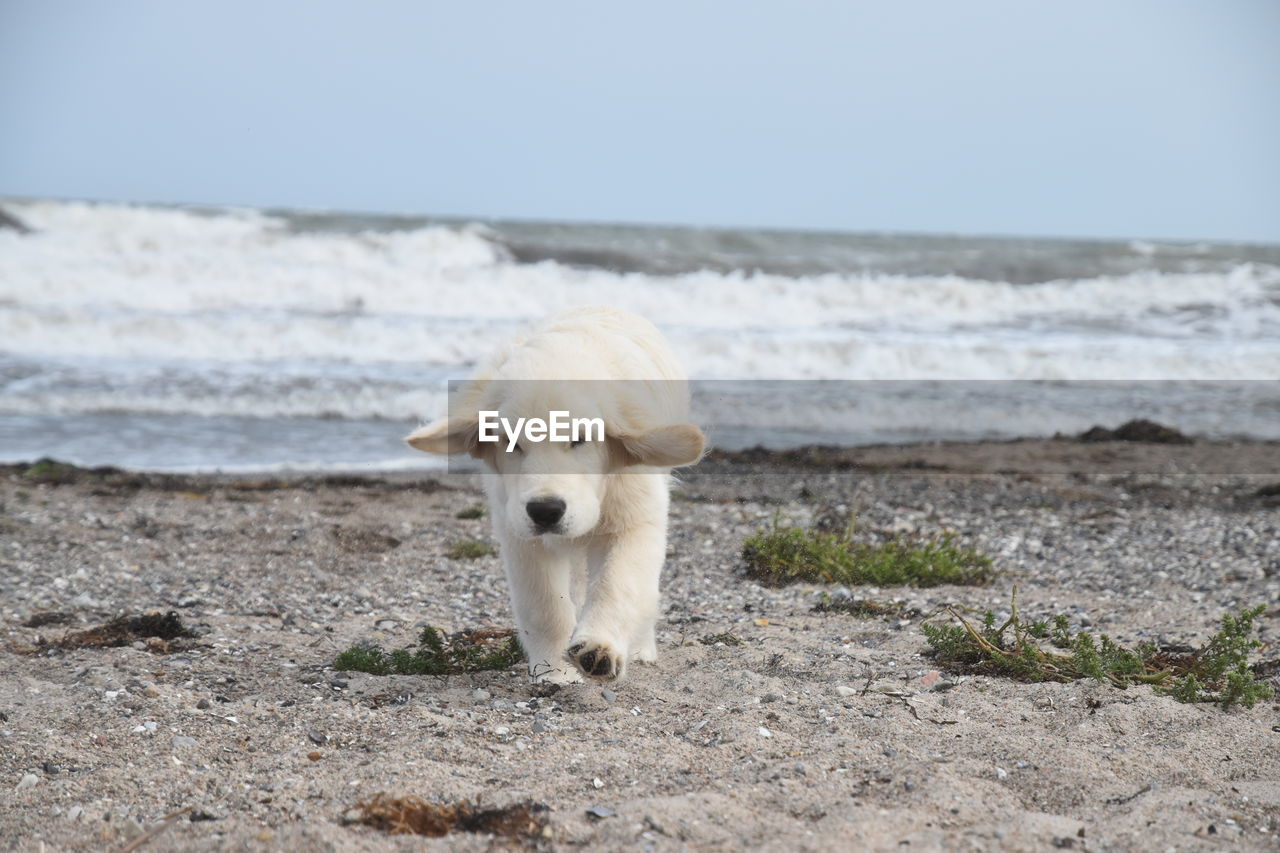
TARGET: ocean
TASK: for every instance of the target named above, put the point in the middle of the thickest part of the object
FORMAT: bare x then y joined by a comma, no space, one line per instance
198,339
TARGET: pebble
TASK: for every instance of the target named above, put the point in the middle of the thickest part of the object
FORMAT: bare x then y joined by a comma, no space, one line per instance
597,783
502,731
538,727
600,812
609,695
845,690
317,736
74,813
385,624
765,732
27,781
481,695
204,704
1001,773
183,741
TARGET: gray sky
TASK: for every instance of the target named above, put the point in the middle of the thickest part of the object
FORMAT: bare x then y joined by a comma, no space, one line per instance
1091,117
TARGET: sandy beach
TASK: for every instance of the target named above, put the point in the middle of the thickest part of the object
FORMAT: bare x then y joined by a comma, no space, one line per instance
818,731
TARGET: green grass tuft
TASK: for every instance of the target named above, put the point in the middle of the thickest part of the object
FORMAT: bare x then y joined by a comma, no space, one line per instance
470,549
1218,672
471,512
788,554
436,654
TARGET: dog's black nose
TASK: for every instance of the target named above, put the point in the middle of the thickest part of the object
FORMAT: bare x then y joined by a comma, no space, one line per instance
545,512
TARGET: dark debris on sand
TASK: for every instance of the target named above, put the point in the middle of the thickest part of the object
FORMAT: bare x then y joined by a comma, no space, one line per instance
524,822
156,629
1142,430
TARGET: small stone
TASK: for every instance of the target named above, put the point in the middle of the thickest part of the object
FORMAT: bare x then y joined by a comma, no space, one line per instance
502,731
317,736
182,741
481,695
1001,773
27,781
845,690
340,683
204,704
151,691
538,727
600,812
597,783
609,695
315,756
74,813
764,732
386,624
51,769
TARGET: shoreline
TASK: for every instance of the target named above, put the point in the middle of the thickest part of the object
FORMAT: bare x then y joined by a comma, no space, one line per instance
1232,457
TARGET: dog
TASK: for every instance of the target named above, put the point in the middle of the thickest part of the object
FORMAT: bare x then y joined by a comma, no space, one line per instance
581,522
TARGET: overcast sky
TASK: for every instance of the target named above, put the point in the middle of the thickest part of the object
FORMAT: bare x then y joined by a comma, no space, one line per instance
1112,118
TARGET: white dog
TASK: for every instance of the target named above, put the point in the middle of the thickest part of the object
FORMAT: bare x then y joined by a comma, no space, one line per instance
581,522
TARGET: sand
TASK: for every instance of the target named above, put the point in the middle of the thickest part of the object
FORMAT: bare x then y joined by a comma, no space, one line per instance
817,732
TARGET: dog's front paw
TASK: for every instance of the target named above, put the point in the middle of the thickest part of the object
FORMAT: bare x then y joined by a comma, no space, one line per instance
597,660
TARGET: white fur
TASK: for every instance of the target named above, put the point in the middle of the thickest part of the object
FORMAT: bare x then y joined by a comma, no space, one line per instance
585,595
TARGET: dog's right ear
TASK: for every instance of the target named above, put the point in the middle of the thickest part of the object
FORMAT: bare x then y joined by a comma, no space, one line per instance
446,436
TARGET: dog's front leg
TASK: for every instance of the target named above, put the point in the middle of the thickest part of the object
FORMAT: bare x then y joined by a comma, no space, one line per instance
621,603
539,581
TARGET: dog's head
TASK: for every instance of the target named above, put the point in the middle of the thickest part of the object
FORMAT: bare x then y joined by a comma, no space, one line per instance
555,447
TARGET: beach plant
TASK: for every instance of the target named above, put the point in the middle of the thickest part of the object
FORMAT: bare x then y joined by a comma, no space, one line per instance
1047,650
727,638
470,549
782,555
437,654
864,608
470,513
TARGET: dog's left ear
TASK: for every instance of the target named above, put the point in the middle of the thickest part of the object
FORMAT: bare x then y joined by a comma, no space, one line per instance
446,436
665,447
